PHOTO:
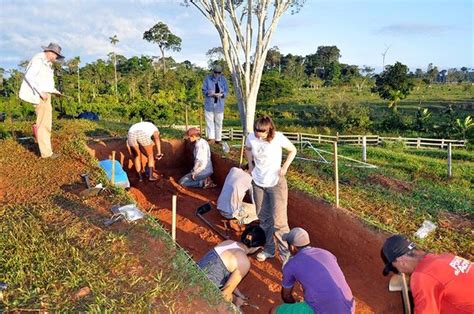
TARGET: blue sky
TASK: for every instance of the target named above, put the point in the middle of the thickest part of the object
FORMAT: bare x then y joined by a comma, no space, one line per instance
416,32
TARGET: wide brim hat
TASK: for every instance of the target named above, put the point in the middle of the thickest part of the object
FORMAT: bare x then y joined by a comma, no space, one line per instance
217,68
54,48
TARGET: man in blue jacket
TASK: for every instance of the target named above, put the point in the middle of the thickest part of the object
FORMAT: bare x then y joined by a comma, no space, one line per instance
215,89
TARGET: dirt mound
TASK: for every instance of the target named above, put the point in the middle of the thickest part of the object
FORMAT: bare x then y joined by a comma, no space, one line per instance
391,183
356,246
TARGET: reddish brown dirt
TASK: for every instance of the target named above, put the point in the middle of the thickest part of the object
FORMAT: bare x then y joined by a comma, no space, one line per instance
391,183
355,245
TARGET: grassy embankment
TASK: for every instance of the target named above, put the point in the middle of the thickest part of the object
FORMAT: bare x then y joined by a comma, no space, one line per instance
55,253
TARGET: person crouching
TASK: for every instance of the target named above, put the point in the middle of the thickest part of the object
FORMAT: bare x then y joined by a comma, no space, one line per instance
200,175
227,263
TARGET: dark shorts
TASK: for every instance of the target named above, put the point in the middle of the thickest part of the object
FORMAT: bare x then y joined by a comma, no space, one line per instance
214,268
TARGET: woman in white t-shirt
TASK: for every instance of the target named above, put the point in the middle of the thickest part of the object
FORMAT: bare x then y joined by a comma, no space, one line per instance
263,149
140,136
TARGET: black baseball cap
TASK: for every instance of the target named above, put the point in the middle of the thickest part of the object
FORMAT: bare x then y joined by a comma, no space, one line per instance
394,247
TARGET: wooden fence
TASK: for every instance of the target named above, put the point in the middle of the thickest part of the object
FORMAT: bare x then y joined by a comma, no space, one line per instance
373,140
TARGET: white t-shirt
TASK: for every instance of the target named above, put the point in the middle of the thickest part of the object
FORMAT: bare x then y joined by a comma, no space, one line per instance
202,158
147,127
236,184
267,157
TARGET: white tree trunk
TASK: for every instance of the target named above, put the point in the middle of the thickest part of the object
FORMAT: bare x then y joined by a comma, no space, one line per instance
245,58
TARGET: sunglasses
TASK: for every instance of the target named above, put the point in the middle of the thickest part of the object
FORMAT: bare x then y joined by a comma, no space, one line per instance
217,72
260,131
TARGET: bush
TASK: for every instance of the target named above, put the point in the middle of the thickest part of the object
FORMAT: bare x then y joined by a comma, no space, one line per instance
272,87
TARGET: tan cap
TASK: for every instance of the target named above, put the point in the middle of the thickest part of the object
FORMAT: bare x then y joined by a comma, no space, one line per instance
297,237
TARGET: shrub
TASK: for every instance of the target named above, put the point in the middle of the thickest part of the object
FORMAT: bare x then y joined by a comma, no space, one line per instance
272,87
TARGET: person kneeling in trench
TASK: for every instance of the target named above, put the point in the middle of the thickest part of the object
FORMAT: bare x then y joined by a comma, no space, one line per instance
324,285
227,263
139,138
231,203
200,175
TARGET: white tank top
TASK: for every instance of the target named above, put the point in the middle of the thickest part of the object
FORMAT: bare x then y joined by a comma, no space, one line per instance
230,246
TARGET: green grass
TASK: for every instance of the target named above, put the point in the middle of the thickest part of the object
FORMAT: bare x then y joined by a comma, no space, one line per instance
425,193
52,243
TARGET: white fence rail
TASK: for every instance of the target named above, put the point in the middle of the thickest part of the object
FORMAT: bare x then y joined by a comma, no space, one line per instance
373,140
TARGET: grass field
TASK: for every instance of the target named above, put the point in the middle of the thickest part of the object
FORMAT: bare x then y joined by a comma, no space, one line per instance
57,256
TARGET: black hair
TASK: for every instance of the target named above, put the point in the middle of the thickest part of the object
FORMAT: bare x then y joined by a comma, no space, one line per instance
253,236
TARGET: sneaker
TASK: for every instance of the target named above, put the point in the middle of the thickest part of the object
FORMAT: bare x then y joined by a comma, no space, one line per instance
262,256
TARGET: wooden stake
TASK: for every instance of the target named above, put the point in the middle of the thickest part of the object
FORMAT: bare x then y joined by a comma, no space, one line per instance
450,169
173,219
336,174
113,167
242,151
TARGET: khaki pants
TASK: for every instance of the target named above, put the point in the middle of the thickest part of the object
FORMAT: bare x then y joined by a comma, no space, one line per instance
44,123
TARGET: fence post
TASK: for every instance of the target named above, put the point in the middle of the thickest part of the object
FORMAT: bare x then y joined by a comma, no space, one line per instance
418,143
231,134
450,170
299,140
364,148
186,115
337,136
319,138
336,174
442,143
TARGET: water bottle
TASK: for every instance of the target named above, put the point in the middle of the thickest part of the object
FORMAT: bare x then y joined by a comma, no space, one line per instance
225,147
426,228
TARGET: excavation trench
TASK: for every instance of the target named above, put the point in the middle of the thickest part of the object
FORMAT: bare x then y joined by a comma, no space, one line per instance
356,246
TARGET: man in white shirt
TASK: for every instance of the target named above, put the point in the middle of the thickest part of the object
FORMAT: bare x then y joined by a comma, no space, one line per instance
231,203
200,175
36,88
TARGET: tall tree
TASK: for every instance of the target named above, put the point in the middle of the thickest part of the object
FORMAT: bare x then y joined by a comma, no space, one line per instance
114,40
393,84
273,59
161,35
74,66
245,50
216,56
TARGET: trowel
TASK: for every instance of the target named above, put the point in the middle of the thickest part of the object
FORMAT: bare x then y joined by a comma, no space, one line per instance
89,191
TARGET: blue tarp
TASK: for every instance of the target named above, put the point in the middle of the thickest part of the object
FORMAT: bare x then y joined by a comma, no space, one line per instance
121,178
88,115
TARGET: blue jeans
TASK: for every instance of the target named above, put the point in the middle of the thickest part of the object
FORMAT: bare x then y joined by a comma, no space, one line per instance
189,182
